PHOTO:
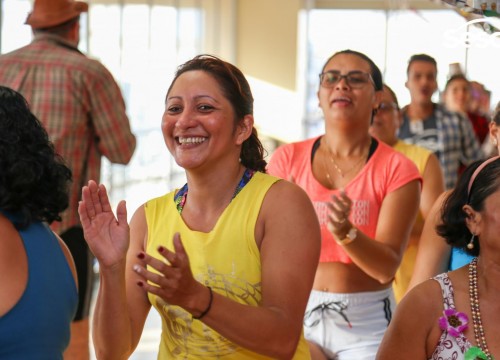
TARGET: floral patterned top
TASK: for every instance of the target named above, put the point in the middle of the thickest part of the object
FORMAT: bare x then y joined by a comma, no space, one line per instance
452,344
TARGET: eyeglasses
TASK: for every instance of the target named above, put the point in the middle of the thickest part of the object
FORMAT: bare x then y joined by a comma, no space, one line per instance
354,79
387,106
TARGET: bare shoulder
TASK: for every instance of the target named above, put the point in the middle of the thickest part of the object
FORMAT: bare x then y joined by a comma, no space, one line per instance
287,214
414,325
425,296
420,304
442,198
138,229
286,192
433,174
432,162
139,216
291,202
423,305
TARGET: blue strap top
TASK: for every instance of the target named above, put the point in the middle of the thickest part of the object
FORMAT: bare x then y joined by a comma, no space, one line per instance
38,326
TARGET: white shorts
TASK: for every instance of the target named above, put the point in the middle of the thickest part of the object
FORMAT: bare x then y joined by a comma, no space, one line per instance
348,326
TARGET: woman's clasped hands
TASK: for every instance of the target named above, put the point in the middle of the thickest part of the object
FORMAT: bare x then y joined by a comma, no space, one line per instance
170,278
338,218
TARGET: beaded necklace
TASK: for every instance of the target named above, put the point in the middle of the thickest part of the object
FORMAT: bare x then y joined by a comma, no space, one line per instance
181,196
476,314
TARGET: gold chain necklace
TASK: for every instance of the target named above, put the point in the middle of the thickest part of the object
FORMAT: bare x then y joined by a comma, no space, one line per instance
476,314
337,167
330,180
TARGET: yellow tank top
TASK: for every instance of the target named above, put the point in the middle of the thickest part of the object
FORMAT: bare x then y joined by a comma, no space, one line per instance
226,259
419,156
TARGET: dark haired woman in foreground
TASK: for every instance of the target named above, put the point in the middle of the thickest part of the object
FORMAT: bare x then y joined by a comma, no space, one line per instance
38,293
455,315
434,254
223,259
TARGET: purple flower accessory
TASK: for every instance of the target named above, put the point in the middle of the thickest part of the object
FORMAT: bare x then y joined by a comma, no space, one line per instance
454,322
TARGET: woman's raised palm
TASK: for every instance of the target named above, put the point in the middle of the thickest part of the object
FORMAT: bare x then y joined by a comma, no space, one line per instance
106,235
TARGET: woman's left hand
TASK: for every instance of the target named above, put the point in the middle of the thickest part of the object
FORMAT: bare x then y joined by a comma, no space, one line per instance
338,217
173,281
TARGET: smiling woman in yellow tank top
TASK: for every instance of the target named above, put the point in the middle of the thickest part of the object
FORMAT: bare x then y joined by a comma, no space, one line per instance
223,259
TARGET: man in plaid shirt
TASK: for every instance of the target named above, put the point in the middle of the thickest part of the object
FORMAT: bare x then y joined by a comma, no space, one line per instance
447,134
82,108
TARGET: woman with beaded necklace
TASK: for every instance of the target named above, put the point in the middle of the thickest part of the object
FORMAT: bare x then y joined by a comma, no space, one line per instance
223,259
455,314
366,197
434,254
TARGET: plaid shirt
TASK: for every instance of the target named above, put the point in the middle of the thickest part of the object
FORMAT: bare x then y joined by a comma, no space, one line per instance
456,140
80,105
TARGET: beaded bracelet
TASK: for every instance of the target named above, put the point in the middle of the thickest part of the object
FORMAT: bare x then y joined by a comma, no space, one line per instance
205,312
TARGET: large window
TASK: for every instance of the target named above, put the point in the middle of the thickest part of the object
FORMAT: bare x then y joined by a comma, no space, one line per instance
141,43
14,33
389,38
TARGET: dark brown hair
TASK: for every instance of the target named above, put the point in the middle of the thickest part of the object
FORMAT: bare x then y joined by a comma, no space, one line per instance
374,70
421,57
236,89
453,226
34,180
454,78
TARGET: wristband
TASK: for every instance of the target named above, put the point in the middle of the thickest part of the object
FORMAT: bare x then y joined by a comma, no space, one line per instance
205,312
